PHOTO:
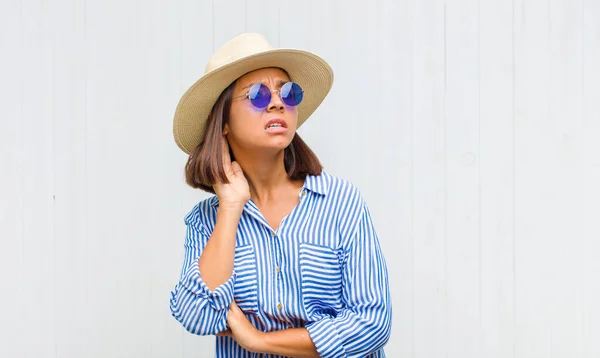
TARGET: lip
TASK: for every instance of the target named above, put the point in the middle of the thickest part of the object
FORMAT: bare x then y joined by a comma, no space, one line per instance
276,121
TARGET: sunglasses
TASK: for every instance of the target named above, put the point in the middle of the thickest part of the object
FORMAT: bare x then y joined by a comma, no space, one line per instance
260,95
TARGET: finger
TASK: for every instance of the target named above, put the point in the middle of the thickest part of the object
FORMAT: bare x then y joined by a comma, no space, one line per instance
232,317
234,306
237,170
229,319
225,333
226,156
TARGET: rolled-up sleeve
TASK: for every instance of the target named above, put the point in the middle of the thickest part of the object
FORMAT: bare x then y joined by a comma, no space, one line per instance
364,325
200,310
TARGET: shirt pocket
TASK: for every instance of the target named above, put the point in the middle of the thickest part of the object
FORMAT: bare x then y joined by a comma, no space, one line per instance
321,281
245,289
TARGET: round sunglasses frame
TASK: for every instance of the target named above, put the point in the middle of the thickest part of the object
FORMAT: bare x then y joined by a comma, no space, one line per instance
294,88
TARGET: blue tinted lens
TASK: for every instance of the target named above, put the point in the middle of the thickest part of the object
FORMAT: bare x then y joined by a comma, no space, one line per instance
292,94
259,95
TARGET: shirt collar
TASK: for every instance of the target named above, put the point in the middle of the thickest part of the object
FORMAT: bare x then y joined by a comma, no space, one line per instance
316,183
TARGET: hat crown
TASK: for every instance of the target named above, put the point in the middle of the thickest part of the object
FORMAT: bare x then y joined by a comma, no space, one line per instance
241,46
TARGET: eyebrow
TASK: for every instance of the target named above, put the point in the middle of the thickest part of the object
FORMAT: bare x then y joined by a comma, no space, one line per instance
279,84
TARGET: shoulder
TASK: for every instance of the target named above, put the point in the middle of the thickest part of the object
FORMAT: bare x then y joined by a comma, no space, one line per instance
340,189
201,213
344,204
341,197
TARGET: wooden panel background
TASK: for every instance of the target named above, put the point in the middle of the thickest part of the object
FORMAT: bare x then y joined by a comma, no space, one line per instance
471,127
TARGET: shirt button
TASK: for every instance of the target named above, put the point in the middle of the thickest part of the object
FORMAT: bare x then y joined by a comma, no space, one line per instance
272,234
303,192
277,269
279,306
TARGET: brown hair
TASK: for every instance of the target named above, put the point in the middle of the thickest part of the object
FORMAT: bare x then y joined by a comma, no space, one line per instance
204,167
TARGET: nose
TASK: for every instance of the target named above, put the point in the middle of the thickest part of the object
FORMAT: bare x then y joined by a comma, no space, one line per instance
276,102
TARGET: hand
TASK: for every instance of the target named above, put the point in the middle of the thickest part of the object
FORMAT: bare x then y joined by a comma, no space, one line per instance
225,333
242,330
237,192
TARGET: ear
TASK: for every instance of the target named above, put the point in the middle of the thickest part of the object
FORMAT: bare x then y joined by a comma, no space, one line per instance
226,129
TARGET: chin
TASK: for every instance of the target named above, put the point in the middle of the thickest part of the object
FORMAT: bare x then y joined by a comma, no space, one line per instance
279,145
270,143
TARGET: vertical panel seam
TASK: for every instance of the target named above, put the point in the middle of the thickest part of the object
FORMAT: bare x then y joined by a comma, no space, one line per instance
514,256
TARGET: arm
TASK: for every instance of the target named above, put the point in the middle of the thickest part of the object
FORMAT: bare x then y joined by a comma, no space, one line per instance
290,342
216,261
200,303
364,325
294,342
205,290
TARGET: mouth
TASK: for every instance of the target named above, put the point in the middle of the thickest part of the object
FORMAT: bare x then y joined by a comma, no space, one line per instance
276,123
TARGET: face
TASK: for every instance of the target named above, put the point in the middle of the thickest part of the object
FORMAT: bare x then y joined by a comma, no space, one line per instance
252,128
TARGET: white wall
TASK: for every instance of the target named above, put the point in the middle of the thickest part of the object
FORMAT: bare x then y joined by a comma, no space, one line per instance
471,127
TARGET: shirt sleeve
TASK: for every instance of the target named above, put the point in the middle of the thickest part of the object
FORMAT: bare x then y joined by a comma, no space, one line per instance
364,325
200,310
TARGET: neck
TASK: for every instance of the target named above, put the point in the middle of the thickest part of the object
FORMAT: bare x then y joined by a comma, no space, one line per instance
265,173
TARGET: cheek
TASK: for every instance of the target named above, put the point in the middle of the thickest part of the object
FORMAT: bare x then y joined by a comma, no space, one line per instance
243,118
294,116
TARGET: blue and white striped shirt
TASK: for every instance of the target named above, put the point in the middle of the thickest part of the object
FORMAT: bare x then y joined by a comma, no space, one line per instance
322,269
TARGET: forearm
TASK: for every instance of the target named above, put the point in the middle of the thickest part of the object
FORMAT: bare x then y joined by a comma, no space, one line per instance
216,261
195,313
293,342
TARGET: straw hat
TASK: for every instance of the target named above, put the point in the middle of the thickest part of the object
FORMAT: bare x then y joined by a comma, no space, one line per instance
243,54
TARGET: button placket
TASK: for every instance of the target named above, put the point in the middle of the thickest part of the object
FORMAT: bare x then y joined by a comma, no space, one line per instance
278,280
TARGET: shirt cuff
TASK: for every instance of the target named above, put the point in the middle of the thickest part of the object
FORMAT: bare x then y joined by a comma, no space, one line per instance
325,338
220,298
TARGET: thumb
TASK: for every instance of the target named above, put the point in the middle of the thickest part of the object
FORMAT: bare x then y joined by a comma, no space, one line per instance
237,170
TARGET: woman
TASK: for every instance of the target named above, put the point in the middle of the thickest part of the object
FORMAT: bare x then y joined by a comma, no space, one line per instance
284,260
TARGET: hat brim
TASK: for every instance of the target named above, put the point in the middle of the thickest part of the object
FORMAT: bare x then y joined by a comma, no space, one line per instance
310,71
